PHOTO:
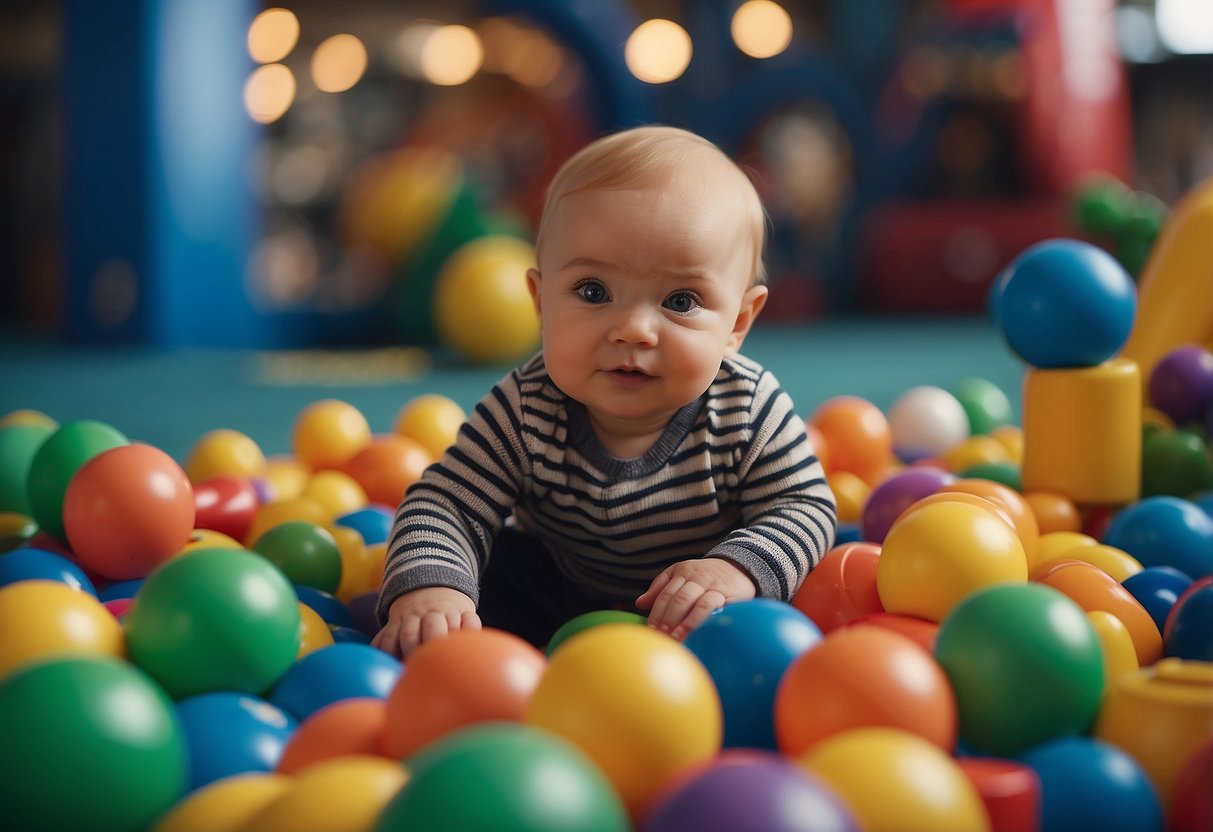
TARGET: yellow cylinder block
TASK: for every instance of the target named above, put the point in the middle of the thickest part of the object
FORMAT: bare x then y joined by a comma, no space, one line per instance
1082,432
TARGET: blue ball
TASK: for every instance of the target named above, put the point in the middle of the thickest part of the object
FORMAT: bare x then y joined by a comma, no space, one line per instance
374,523
121,589
326,605
342,635
1157,588
1065,303
28,563
1189,631
341,671
231,733
1086,783
848,533
1165,531
746,647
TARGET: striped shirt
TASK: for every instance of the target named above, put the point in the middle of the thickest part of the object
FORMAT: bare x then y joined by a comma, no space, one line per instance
733,476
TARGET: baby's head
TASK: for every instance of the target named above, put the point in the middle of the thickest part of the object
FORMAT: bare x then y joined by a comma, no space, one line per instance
650,155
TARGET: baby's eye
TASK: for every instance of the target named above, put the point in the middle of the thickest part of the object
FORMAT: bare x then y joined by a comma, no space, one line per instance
591,291
681,303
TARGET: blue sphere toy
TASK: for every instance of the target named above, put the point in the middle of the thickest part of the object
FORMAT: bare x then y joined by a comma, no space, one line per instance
1188,633
1157,588
340,671
30,563
1090,784
1165,531
373,523
326,605
746,648
1065,303
232,733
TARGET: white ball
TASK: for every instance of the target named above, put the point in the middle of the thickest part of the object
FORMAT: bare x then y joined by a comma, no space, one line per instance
928,420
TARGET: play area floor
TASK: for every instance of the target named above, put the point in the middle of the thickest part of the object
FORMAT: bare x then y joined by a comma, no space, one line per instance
171,398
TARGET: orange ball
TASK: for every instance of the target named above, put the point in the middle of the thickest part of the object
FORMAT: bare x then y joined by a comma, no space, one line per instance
348,726
860,677
850,493
467,677
842,587
1024,521
962,497
387,467
1054,512
127,510
282,511
818,441
329,432
857,434
433,420
921,630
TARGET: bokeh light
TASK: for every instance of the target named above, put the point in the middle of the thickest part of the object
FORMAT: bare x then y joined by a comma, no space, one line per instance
272,35
269,92
338,63
451,55
761,28
658,51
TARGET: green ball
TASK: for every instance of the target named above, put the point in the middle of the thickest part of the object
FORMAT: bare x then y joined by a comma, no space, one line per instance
1005,473
1102,206
1174,463
508,777
984,402
214,620
88,743
18,445
57,460
1025,664
586,621
306,553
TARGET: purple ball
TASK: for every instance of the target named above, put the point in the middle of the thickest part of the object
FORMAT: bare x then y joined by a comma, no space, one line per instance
897,493
752,790
1180,384
362,611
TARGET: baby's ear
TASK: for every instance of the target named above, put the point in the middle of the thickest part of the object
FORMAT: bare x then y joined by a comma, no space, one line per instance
532,283
751,304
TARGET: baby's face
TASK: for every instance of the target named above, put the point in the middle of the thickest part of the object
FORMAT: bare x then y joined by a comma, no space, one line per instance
641,293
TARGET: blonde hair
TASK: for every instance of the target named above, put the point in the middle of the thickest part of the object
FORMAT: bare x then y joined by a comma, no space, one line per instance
643,154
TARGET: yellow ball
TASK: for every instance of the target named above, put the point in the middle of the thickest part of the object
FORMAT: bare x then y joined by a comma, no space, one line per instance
225,805
341,794
209,539
224,451
1119,652
482,305
286,477
35,418
1051,546
433,420
1116,562
337,493
39,619
282,511
936,554
1011,438
976,450
639,703
355,563
314,631
376,557
329,432
895,781
850,492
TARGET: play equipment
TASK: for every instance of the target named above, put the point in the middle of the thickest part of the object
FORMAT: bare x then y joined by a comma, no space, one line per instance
889,500
1165,531
431,419
306,553
333,674
43,619
224,451
857,435
231,733
225,805
18,445
57,460
842,587
587,621
1188,633
351,726
927,420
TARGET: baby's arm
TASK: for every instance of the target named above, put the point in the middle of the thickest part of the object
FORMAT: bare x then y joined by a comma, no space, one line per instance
424,615
685,594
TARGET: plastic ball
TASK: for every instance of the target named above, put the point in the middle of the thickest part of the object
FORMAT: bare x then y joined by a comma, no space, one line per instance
589,620
41,619
919,630
1066,303
305,552
326,605
928,419
18,445
1053,512
973,452
842,587
1175,463
639,703
121,589
27,417
337,493
372,522
314,632
1008,499
337,795
1188,632
1089,784
746,647
56,461
850,494
1119,653
127,510
1157,588
1180,383
895,781
225,503
482,306
232,733
224,806
1165,531
468,677
27,563
1119,565
109,754
433,420
284,478
215,619
1001,647
857,435
277,512
985,404
328,675
858,677
891,498
762,792
328,432
1010,791
511,770
356,557
346,727
387,467
224,451
1192,801
937,555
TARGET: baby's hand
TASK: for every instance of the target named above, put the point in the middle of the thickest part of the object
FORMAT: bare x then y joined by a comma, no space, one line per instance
685,594
424,615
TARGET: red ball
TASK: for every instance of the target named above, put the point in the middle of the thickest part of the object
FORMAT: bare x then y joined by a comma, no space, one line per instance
842,587
226,503
127,510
